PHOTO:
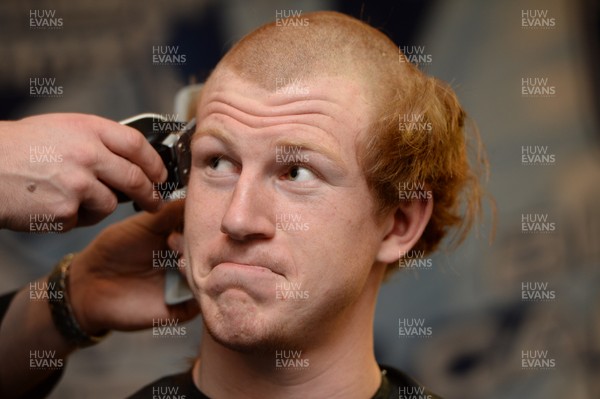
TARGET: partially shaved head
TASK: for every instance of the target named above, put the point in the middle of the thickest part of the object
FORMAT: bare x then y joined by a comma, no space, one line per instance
331,44
335,45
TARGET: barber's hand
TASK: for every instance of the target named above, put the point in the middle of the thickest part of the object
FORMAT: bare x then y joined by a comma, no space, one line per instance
112,283
63,166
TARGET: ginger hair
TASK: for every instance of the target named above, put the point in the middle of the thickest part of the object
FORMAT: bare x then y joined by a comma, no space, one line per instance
334,44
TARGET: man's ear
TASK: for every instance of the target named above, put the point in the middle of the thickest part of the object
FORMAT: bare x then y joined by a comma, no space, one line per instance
409,222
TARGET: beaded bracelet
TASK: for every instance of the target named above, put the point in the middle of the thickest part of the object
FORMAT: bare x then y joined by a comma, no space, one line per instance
61,310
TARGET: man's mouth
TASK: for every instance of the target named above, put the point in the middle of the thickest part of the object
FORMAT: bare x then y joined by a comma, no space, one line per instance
250,266
255,273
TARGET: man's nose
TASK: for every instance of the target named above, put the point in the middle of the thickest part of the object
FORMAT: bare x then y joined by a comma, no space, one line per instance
250,212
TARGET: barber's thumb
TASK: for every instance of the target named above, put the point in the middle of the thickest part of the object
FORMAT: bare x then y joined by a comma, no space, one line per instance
175,241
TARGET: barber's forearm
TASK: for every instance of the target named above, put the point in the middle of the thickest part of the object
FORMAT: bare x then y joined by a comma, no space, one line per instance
31,348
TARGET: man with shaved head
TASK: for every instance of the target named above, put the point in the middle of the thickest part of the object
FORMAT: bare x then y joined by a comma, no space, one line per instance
321,158
295,209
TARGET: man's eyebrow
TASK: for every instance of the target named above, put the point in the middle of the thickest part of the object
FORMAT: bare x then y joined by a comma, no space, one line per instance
305,145
218,134
280,142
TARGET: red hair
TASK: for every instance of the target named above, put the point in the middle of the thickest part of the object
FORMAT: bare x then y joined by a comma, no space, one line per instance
334,44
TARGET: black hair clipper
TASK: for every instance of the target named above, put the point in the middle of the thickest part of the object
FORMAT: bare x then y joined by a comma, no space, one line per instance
171,139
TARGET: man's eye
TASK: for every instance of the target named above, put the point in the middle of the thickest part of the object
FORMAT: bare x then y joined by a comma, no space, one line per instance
221,164
299,173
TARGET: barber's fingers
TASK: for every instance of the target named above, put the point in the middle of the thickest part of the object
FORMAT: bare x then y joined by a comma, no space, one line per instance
184,311
83,200
132,145
169,218
122,175
175,241
98,202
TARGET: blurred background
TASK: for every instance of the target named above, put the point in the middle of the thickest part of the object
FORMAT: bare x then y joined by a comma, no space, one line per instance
527,72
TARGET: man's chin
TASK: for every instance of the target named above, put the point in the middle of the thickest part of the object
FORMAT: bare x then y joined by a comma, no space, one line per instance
246,333
239,343
244,341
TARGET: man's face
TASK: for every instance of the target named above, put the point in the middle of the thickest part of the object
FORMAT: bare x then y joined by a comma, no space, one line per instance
279,228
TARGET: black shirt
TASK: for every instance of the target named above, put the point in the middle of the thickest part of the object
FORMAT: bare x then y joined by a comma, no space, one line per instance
394,385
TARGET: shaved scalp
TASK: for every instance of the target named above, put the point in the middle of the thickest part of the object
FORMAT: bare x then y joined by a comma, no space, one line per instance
334,44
